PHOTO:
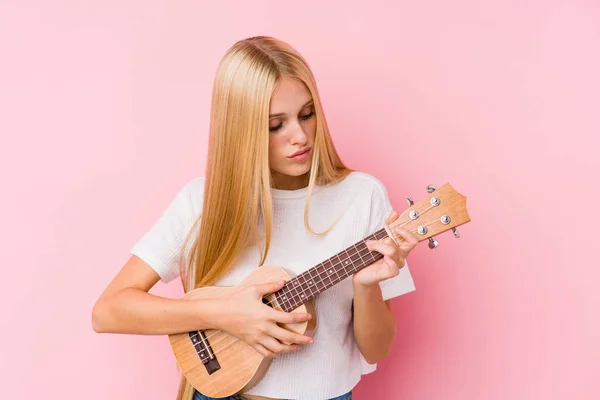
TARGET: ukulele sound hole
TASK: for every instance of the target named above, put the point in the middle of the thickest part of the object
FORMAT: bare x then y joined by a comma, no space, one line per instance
267,301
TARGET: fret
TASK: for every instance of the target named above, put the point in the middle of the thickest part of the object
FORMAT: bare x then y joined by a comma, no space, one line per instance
284,299
361,259
371,254
351,260
347,263
328,273
320,284
315,280
341,263
373,259
310,291
357,256
291,302
300,286
295,294
303,285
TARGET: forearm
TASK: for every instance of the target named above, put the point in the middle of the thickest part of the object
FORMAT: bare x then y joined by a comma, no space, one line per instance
374,323
137,312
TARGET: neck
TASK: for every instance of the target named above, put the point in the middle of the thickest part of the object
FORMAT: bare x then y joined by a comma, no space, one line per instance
287,182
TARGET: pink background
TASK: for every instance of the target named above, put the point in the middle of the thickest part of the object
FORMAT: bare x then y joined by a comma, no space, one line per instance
104,113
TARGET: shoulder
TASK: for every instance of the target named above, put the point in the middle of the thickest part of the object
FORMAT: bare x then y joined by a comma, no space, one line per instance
194,185
372,191
189,198
191,190
365,183
369,195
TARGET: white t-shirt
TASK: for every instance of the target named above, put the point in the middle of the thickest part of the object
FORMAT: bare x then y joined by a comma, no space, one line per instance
333,364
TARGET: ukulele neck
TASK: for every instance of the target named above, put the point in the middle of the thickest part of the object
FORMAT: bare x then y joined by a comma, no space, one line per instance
330,272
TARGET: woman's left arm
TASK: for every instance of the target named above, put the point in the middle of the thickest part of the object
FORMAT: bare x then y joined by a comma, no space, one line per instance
374,323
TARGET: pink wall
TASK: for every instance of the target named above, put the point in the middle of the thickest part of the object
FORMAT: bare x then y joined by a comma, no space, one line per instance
104,114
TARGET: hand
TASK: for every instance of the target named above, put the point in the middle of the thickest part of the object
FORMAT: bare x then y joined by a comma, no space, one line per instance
246,317
393,259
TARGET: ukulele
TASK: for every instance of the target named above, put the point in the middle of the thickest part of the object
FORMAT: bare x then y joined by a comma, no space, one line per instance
218,364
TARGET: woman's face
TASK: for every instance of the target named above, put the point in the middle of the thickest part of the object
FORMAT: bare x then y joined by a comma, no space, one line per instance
292,126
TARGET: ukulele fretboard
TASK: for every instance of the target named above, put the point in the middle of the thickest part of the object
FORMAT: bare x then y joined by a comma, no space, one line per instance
328,273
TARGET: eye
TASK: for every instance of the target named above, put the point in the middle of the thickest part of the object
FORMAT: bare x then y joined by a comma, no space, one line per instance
307,116
302,117
275,128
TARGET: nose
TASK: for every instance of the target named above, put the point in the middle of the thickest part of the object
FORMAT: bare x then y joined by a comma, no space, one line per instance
298,136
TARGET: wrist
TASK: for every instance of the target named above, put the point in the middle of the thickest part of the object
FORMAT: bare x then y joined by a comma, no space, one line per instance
209,316
358,284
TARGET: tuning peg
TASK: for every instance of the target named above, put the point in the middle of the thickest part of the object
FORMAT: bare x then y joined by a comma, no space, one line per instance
456,234
433,243
410,201
430,189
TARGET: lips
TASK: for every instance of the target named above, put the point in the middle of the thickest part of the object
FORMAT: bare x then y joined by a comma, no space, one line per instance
300,152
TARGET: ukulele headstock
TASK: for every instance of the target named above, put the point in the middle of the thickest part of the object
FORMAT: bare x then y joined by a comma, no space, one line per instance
444,209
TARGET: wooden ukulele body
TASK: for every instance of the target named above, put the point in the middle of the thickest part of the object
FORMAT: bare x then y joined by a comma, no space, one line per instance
241,366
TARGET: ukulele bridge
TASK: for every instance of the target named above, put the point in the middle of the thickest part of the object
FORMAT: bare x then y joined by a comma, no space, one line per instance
204,351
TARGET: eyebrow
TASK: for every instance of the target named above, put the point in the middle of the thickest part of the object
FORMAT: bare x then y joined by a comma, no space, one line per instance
282,114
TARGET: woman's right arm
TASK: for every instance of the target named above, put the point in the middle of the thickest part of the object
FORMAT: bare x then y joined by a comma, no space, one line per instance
125,306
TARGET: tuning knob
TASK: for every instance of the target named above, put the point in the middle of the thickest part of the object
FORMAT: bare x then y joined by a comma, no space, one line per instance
456,234
430,189
433,243
410,201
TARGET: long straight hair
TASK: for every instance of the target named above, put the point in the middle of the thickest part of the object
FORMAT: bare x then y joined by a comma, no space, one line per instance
237,192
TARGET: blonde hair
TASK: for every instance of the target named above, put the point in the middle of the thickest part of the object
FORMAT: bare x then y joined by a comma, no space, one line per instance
237,192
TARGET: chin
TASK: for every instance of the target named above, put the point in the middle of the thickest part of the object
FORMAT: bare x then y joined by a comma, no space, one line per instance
295,172
299,171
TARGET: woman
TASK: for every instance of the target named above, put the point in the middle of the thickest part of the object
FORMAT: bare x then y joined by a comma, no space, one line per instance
275,192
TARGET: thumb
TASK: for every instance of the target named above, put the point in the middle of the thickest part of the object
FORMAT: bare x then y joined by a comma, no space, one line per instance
269,287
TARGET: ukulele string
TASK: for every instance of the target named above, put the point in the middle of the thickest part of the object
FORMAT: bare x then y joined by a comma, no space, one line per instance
272,304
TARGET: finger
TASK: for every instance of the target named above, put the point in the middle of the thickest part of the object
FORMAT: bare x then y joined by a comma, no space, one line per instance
382,247
389,249
391,218
291,347
271,344
288,337
407,235
263,350
381,271
387,269
392,265
269,287
288,318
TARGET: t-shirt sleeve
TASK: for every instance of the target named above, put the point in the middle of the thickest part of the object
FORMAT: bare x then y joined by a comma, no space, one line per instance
161,246
380,210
